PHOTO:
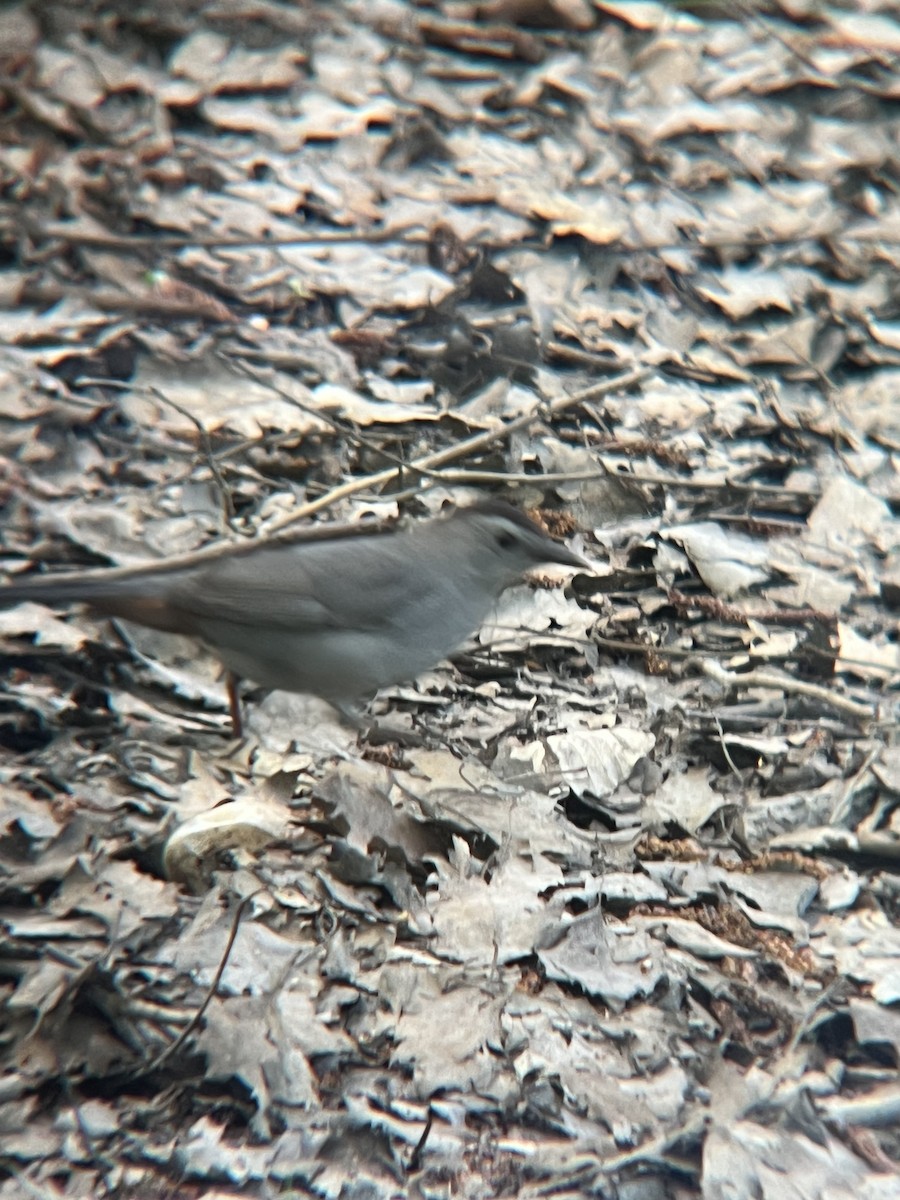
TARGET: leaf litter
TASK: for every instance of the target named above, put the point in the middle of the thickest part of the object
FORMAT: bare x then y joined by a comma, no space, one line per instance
617,914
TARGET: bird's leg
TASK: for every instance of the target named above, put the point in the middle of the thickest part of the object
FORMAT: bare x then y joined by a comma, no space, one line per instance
232,684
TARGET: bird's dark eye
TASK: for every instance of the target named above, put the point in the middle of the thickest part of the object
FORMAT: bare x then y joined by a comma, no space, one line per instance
505,540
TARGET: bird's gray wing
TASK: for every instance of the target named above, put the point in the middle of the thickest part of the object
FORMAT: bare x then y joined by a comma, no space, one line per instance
312,587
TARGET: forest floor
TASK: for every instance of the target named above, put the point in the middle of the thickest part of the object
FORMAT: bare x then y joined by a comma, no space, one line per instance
625,923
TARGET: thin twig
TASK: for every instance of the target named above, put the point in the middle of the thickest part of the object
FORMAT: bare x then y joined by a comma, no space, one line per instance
668,481
208,453
725,751
415,1159
343,428
472,445
409,235
784,683
169,1050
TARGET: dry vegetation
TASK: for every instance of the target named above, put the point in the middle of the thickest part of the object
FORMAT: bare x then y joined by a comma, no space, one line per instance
625,923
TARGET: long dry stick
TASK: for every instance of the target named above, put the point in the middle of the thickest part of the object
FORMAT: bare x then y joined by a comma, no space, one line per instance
472,445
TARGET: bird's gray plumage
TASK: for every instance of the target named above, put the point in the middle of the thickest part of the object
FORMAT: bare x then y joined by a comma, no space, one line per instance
339,613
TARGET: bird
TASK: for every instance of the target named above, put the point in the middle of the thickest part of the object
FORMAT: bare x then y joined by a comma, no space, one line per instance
337,611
